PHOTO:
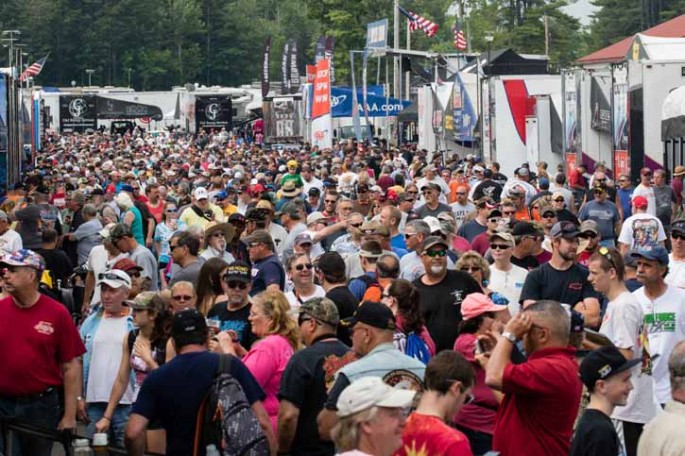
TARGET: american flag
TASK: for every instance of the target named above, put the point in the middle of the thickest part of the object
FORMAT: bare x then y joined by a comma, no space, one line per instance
416,21
459,37
34,70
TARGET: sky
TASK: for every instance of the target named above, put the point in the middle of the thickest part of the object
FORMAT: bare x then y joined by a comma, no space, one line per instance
582,9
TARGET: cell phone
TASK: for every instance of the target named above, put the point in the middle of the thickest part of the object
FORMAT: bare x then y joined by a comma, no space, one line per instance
479,348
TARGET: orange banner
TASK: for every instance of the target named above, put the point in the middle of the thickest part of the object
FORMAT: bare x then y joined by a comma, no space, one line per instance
321,104
311,74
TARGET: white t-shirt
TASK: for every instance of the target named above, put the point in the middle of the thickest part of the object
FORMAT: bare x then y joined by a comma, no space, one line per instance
622,324
676,272
10,241
105,360
295,302
509,284
98,263
461,211
647,192
278,234
664,320
642,231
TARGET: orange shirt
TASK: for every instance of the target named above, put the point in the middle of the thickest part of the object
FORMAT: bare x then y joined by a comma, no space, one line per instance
454,185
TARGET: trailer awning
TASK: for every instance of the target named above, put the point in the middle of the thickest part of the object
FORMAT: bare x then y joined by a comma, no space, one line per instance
673,115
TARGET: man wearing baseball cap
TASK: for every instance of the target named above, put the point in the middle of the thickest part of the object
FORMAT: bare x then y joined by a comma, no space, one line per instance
562,279
39,354
173,393
201,212
606,374
305,380
372,327
506,278
676,259
103,331
376,434
641,230
663,306
604,212
431,197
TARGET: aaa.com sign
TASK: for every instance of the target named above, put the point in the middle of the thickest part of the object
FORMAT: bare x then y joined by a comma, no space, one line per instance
322,89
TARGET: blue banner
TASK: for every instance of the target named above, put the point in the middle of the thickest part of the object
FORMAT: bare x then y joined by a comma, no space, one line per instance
464,115
378,104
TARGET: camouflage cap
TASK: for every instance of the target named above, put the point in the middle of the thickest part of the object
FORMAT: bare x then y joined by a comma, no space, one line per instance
322,309
147,300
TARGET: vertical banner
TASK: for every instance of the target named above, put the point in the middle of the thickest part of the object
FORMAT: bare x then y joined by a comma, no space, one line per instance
355,102
294,71
320,50
328,53
571,137
311,74
322,135
571,163
619,106
265,68
4,140
464,114
285,69
365,102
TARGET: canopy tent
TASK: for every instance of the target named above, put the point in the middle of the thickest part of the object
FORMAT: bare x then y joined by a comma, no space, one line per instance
110,108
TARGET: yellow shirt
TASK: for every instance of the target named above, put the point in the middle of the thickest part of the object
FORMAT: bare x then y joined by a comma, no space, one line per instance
190,218
230,210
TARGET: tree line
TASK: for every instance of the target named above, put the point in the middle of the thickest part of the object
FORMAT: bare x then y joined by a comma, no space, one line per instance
156,44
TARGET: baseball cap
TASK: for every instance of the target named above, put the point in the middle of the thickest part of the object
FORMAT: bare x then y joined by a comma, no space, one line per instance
188,321
506,237
558,195
566,230
373,314
476,304
433,223
119,231
494,213
126,264
314,191
657,253
260,236
23,257
200,193
640,202
3,215
146,301
316,217
589,225
290,209
431,186
238,270
431,241
220,196
236,218
322,309
604,363
303,238
678,226
370,392
115,278
524,229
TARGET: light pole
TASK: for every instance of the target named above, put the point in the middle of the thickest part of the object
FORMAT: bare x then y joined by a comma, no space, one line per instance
129,76
90,72
10,36
489,38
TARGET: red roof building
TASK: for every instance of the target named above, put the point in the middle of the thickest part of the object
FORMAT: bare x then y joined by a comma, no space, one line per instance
674,28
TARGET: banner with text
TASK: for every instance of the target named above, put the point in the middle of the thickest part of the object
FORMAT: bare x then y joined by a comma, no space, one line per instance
77,113
266,84
213,112
378,105
322,134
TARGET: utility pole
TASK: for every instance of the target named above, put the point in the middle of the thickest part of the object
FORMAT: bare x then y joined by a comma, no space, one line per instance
10,37
545,18
90,76
396,45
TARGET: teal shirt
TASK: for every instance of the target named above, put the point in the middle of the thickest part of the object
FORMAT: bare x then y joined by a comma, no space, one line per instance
137,225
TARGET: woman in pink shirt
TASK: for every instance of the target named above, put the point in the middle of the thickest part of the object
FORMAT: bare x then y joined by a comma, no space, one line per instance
278,340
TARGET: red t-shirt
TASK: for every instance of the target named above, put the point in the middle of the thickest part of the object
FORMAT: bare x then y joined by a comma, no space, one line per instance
481,243
428,435
541,403
34,343
156,211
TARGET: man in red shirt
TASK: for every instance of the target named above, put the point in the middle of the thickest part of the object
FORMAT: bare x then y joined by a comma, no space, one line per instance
39,355
542,395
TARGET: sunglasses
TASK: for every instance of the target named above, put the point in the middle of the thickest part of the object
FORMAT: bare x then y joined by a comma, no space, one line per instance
678,236
499,247
494,220
508,213
461,194
134,275
409,235
549,216
234,283
559,200
330,201
300,267
252,245
218,234
171,210
587,235
434,253
101,276
606,253
356,225
182,298
471,269
413,193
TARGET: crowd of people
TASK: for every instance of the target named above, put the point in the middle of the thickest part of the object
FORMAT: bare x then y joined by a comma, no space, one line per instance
362,300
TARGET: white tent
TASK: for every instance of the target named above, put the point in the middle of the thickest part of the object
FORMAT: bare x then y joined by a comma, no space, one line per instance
673,115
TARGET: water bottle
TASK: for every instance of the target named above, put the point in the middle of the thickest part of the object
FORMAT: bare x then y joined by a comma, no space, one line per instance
82,448
211,450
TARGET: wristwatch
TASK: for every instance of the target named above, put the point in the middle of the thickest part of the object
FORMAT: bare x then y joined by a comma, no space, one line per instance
509,336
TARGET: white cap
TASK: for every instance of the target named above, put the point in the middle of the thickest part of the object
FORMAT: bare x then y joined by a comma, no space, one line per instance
315,217
200,193
433,223
115,278
370,392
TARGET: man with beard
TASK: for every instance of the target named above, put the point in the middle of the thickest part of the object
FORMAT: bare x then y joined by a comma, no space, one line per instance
561,279
233,314
431,193
462,207
441,293
589,232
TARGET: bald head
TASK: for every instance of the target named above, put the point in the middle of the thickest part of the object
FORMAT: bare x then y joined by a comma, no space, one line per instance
552,315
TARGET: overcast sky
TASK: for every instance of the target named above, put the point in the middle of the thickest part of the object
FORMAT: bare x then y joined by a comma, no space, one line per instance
582,9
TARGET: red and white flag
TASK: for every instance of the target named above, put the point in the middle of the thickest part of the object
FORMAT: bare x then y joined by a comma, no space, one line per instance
34,70
459,37
416,21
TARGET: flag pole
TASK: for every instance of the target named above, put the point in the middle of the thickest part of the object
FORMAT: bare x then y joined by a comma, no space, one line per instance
408,76
396,45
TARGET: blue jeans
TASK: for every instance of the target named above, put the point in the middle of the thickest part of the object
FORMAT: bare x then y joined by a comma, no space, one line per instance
43,412
117,427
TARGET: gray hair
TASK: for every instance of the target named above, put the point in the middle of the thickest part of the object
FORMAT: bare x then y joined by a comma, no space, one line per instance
419,226
90,210
676,367
346,433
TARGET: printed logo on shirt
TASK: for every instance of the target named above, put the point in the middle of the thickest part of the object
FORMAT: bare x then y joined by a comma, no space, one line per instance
576,286
255,271
44,327
660,322
333,363
457,297
645,234
404,378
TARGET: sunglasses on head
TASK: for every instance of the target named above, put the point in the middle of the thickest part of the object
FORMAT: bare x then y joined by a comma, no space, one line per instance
302,318
101,276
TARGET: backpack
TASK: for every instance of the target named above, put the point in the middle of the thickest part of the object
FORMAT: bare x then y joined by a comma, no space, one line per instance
417,348
226,420
370,283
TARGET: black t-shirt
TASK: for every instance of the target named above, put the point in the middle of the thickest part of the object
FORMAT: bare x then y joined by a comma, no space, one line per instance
265,272
424,211
567,287
57,262
235,320
527,262
441,306
172,395
488,188
346,303
305,384
565,215
500,178
595,436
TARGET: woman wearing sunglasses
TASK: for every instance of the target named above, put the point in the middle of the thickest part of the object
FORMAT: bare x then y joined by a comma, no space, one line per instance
301,273
477,419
